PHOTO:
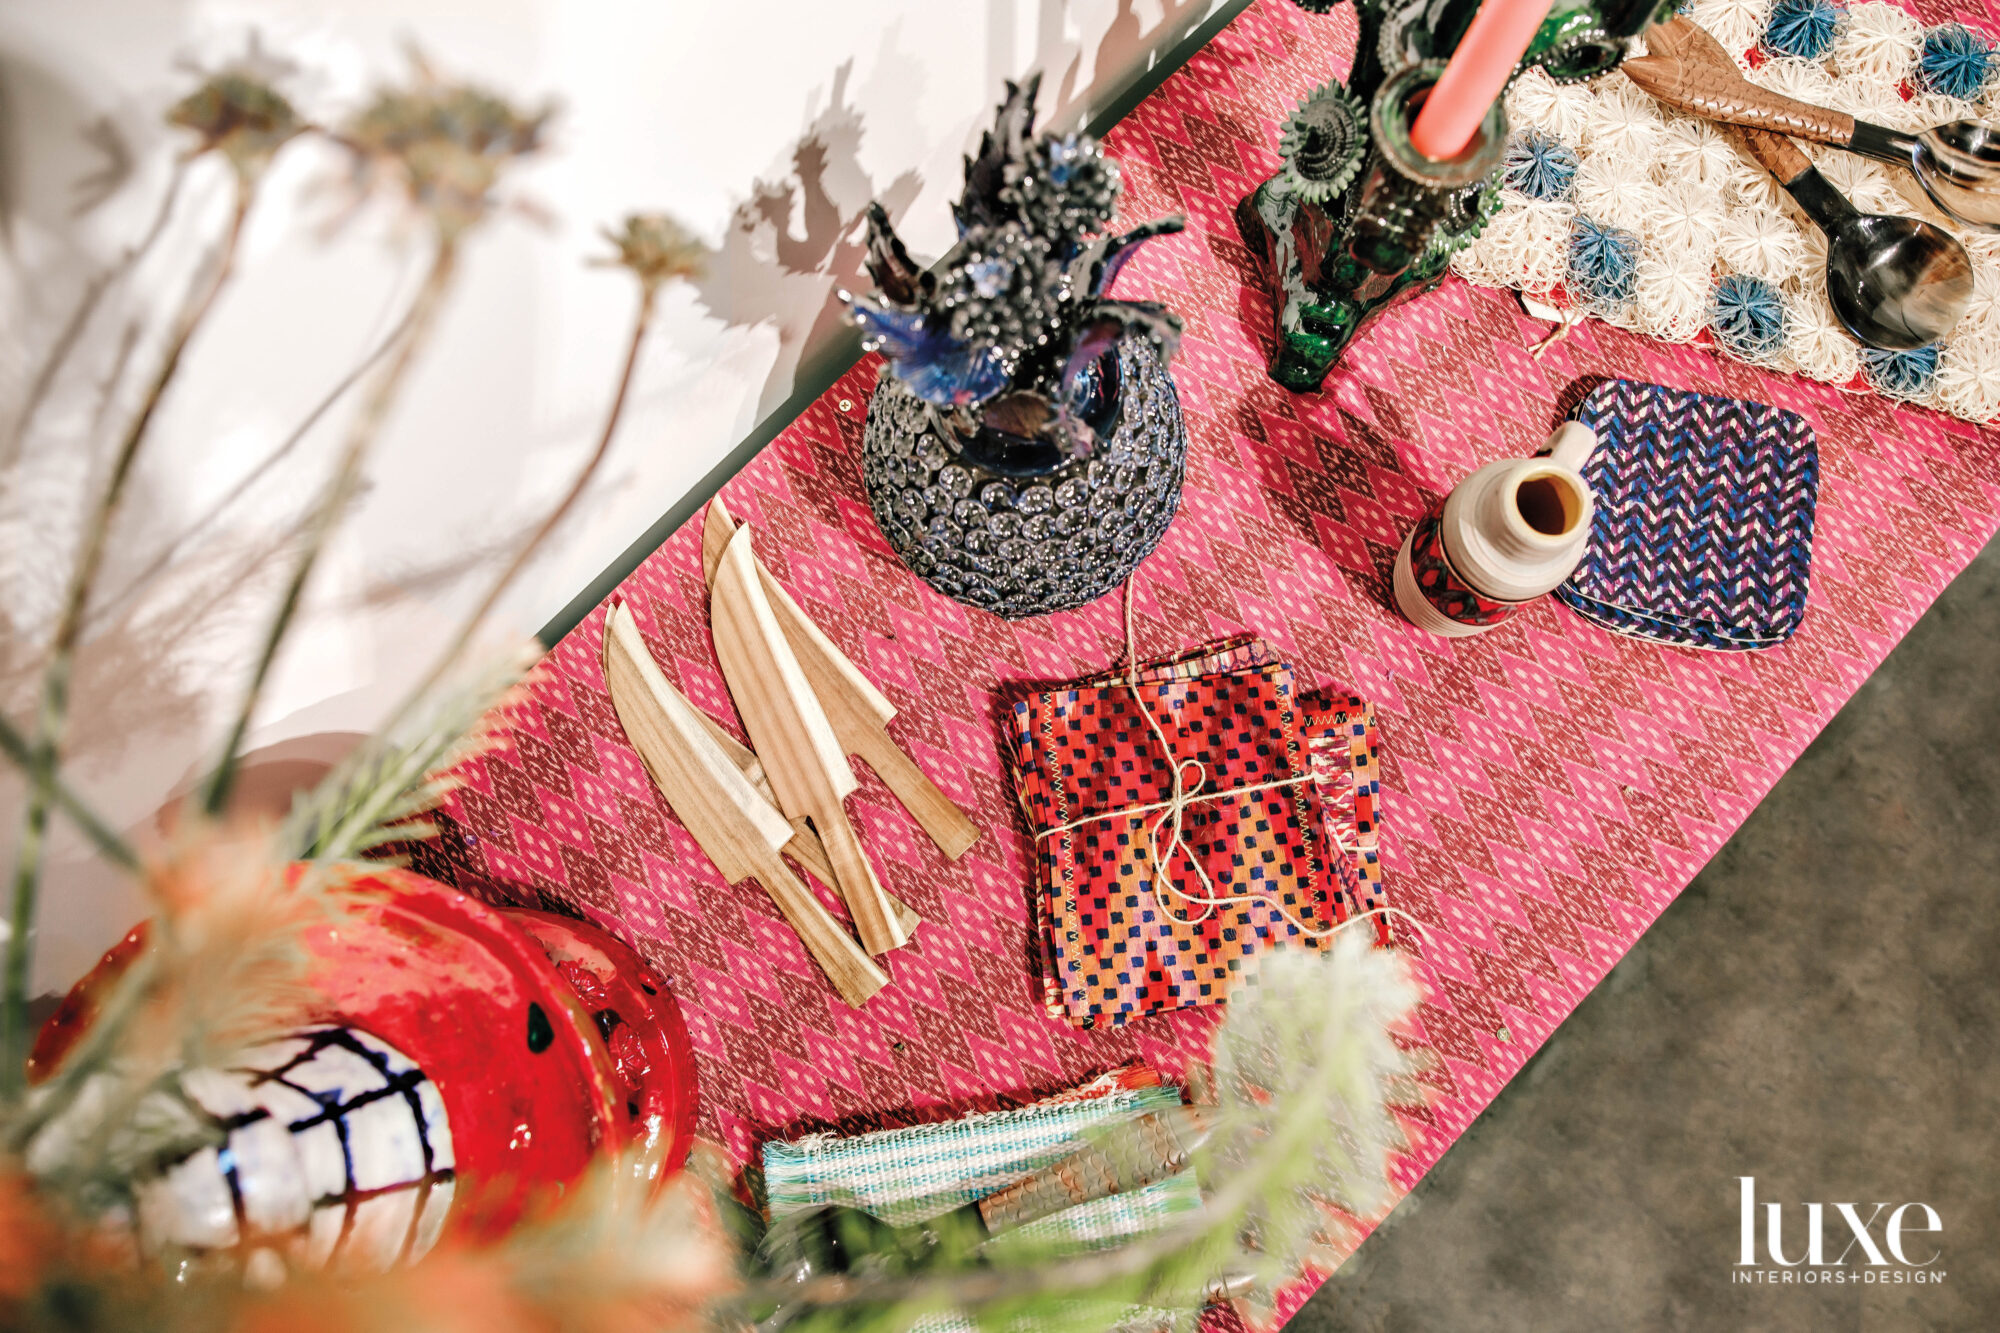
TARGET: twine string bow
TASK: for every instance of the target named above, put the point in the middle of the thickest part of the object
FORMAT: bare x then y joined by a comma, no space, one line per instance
1190,787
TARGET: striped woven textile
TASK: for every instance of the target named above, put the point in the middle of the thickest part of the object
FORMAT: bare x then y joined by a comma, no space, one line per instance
908,1175
1703,529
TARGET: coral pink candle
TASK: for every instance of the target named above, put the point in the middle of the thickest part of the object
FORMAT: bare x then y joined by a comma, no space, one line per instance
1493,44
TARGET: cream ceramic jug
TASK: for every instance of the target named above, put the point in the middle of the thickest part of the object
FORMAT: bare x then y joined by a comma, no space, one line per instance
1507,534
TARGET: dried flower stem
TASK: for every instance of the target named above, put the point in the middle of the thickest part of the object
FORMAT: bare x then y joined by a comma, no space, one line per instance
44,755
422,317
89,1053
470,625
115,849
79,319
160,562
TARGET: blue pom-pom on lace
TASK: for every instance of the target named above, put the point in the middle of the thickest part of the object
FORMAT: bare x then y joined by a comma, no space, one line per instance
1802,28
1539,165
1603,263
1747,316
1956,61
1901,374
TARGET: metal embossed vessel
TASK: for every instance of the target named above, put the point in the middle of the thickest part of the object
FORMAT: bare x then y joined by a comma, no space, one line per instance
1025,449
1011,525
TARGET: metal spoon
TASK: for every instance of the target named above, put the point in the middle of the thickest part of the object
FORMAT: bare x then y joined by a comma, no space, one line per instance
1894,283
1957,164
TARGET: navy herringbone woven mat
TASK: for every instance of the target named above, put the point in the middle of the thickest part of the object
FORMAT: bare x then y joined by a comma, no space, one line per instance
1704,523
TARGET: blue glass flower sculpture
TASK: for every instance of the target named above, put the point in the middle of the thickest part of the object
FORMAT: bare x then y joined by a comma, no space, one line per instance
1021,315
1955,61
1539,165
1747,316
1802,28
1025,449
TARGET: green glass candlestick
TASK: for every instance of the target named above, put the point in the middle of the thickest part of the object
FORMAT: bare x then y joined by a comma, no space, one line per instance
1356,220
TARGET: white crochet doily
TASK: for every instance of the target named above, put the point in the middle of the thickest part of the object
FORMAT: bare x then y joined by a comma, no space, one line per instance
1703,210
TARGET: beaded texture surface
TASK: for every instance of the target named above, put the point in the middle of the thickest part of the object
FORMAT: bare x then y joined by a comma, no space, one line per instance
1704,215
1025,546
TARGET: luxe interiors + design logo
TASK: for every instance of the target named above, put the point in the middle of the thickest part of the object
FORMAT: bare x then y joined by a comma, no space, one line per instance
1902,1250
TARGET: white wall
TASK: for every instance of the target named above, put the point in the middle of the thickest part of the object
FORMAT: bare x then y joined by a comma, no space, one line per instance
764,127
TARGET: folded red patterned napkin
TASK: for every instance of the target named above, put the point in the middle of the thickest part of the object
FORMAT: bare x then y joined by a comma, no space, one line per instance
1116,938
1339,735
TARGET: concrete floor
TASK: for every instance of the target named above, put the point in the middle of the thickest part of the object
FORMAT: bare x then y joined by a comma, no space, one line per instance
1820,1010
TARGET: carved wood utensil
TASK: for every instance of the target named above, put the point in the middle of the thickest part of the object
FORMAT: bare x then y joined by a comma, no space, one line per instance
805,763
1957,164
805,847
1893,282
854,707
736,827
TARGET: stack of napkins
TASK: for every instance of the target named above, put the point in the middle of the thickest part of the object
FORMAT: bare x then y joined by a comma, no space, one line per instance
1114,942
1339,731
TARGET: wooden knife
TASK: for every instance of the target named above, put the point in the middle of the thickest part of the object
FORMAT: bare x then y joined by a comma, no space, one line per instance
805,764
805,845
737,828
854,707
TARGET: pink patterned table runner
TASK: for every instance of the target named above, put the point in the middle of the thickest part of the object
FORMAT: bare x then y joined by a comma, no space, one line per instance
1548,788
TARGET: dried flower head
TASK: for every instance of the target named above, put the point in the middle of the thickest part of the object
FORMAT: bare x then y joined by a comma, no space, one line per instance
1968,378
1603,263
230,934
1737,24
1818,347
1539,101
1802,28
1684,222
657,249
1763,244
1747,317
1879,44
445,146
1623,123
239,111
1672,296
1530,240
1901,374
1955,62
1693,150
1539,165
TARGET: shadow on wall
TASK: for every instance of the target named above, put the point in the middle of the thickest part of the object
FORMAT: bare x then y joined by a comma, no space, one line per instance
143,679
1124,39
797,239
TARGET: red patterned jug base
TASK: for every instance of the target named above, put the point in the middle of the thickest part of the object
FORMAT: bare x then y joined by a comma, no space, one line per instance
1430,593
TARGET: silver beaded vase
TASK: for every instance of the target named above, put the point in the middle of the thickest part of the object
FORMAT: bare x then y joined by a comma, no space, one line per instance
1020,532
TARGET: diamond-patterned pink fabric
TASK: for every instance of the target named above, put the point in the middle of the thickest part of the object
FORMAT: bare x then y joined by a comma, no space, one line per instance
1547,788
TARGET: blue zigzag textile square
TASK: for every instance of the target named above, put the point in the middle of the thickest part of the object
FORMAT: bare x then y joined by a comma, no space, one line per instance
1704,517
